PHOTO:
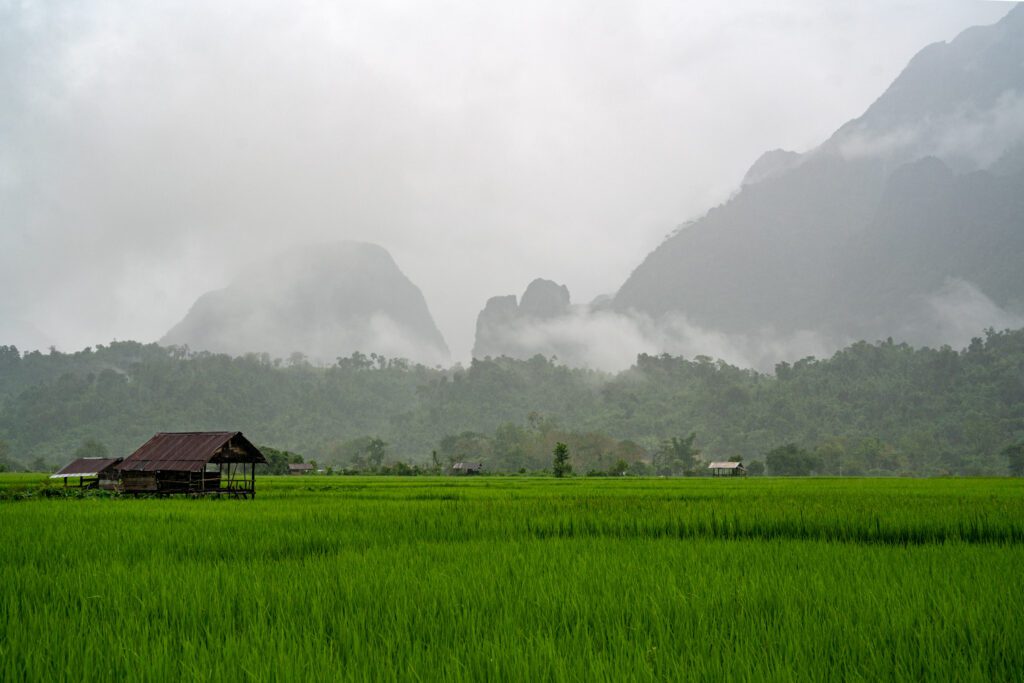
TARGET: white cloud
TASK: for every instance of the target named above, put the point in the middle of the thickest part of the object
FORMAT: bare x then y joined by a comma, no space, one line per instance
959,311
900,141
983,136
608,340
967,136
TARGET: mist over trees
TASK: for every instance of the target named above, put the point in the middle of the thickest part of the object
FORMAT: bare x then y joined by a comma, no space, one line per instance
871,409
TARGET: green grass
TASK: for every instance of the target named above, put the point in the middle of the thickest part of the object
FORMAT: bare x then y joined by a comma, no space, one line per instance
520,579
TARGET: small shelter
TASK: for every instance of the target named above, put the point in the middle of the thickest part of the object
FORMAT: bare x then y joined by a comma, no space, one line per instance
92,473
218,463
300,467
467,468
727,469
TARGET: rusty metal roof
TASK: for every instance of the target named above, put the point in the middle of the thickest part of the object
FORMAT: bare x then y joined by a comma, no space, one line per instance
84,467
190,452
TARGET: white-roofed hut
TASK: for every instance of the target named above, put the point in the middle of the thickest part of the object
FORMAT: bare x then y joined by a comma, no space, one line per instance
92,473
727,469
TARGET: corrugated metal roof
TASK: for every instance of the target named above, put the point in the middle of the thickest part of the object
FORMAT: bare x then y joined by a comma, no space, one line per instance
724,465
186,451
84,467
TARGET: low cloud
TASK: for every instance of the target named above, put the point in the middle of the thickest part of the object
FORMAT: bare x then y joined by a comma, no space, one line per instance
968,138
958,312
861,144
983,136
608,340
390,338
321,344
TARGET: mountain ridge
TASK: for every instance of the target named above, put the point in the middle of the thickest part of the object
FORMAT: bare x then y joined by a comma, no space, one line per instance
904,223
781,242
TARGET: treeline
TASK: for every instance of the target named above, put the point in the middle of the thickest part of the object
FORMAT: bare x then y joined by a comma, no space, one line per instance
871,409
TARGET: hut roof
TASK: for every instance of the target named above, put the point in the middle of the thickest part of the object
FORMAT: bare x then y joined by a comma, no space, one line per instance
84,467
190,452
468,466
725,466
300,467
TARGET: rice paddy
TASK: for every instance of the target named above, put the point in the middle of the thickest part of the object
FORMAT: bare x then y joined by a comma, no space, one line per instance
337,578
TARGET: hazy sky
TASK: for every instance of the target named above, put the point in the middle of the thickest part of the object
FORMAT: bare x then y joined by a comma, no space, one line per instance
150,151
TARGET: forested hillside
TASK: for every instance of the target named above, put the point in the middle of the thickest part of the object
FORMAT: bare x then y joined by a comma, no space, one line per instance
870,409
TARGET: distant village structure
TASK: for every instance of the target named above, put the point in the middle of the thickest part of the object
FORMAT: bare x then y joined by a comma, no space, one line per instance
300,467
727,469
467,468
194,463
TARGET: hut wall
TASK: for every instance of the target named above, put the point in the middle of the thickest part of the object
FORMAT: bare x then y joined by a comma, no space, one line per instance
177,482
139,482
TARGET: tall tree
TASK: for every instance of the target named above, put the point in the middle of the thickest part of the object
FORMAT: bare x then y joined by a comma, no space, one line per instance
375,452
678,455
561,465
791,460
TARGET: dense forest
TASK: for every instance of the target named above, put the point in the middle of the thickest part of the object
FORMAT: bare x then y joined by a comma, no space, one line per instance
871,409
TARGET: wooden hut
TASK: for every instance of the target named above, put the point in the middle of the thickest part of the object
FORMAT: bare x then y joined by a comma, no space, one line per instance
300,467
727,469
467,468
92,473
197,463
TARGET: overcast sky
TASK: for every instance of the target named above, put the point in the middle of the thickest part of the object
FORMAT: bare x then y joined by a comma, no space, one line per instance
149,151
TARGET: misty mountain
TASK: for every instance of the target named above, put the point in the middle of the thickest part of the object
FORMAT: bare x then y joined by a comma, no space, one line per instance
945,252
960,101
324,301
504,326
907,222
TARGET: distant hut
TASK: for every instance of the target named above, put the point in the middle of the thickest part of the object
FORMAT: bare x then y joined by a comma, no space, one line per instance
92,473
218,463
727,469
467,468
300,467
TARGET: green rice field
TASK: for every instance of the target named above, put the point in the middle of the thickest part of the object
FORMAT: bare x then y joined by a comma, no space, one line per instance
524,579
